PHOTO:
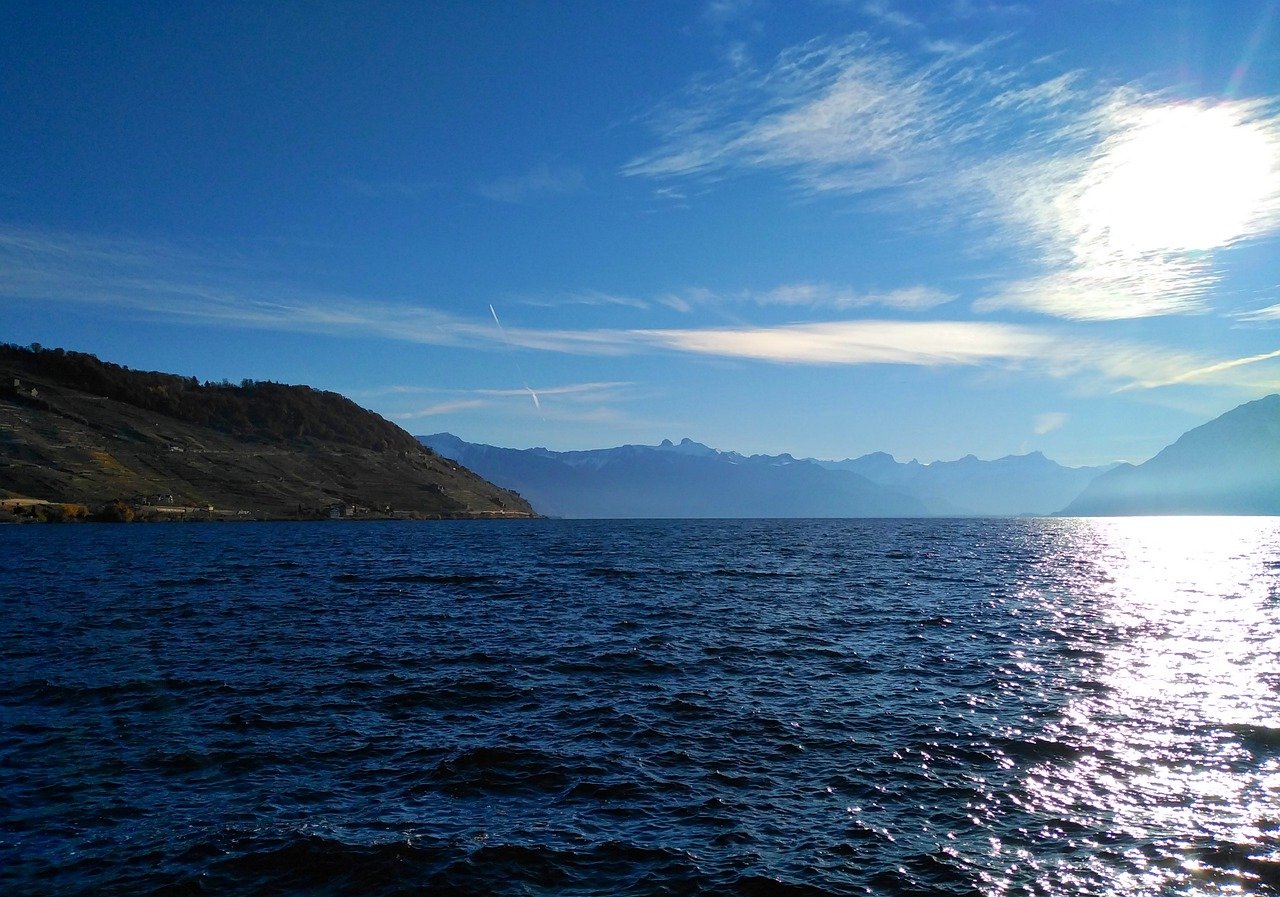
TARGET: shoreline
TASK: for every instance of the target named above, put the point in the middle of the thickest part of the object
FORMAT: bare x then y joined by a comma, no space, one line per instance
23,511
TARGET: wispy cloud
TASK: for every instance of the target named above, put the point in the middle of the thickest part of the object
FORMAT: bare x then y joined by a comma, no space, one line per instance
724,10
970,9
442,408
584,297
1048,422
152,279
588,391
592,391
542,179
168,283
581,402
1110,289
829,296
890,15
1115,199
816,295
1095,364
927,343
671,194
848,116
1261,315
1214,372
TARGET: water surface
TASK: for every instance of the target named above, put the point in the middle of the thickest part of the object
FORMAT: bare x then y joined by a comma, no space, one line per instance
1053,707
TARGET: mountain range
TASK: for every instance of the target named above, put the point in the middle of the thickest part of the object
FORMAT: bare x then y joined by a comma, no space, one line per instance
1014,485
1230,465
689,479
670,480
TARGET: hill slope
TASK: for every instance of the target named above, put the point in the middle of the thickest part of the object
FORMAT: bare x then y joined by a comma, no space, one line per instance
77,429
670,480
1231,465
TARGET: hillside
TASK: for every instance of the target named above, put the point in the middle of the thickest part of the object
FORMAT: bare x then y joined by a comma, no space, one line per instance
676,480
77,429
1231,465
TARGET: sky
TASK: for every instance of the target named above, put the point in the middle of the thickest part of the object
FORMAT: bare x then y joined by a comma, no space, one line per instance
823,227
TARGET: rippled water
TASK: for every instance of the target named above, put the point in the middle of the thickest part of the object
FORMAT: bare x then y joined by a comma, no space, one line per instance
1054,707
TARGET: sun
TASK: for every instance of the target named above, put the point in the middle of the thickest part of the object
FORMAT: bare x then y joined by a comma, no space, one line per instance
1178,178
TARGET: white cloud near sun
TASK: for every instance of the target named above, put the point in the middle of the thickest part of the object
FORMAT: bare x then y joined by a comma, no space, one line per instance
1109,289
1117,199
1178,177
1128,225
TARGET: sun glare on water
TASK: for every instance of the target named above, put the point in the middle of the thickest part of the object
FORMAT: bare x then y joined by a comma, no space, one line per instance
1180,178
1181,736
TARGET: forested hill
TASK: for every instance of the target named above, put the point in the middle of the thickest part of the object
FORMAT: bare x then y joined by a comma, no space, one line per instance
260,411
76,429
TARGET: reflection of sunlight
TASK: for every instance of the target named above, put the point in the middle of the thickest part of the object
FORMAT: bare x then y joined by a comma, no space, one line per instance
1178,731
1182,177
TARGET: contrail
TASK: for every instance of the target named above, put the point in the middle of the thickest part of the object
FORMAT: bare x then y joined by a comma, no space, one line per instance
1222,366
533,395
1205,371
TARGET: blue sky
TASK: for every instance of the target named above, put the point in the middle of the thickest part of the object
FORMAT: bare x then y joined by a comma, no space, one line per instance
827,227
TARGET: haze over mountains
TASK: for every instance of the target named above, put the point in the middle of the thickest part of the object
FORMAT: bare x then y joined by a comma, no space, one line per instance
689,479
1010,486
1230,465
685,480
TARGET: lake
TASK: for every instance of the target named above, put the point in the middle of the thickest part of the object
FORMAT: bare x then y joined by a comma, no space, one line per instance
1049,707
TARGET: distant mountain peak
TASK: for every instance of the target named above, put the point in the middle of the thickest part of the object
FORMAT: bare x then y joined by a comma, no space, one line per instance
685,479
686,446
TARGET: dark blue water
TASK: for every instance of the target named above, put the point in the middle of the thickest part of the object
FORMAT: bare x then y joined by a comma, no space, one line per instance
550,707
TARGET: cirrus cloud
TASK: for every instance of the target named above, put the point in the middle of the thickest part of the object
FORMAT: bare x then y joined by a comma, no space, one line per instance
1110,198
164,282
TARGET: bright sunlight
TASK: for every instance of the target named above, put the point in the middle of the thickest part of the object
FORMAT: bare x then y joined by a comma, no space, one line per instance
1180,178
